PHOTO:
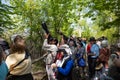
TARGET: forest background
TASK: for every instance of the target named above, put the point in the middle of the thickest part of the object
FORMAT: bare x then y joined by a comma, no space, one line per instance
81,18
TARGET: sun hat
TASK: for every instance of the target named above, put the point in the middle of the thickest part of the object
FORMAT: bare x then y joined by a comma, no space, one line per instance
104,43
92,39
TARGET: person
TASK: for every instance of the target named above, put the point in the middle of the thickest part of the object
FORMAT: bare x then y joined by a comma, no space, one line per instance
102,60
51,49
64,65
88,47
104,54
80,53
19,54
114,64
64,45
72,46
93,55
98,42
3,66
80,50
5,46
83,41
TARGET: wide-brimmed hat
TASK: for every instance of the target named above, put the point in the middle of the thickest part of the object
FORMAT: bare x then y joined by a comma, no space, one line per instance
92,39
104,43
99,66
52,49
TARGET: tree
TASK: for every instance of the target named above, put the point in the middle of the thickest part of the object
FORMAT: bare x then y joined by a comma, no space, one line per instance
5,20
105,12
98,8
29,14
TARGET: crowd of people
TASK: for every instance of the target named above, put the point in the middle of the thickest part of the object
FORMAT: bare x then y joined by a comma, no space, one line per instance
93,58
68,59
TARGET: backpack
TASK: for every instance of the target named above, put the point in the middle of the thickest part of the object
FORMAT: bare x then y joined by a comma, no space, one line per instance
81,62
10,76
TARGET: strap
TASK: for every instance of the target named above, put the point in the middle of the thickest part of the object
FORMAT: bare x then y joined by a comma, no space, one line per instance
26,57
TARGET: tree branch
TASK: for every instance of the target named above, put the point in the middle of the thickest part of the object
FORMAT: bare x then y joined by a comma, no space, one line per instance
38,59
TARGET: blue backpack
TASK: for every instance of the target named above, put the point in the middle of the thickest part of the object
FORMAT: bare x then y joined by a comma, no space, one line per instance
81,62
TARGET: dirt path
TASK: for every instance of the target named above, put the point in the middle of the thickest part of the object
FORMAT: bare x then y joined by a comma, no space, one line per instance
39,75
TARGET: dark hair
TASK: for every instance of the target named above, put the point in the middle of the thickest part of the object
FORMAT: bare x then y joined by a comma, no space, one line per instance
15,47
4,45
55,40
50,38
65,39
81,44
1,55
62,50
92,39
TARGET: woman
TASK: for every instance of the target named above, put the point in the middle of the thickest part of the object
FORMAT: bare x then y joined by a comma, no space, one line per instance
64,65
104,54
93,55
80,52
18,53
50,46
3,66
103,57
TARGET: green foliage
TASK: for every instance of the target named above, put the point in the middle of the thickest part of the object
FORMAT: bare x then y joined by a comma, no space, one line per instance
104,8
86,28
29,14
56,14
107,33
105,14
5,19
60,15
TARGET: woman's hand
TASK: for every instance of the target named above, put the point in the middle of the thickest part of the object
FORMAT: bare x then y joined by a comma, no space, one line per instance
91,54
53,65
46,36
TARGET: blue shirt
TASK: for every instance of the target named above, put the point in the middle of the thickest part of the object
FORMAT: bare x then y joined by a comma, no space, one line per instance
66,70
3,71
95,50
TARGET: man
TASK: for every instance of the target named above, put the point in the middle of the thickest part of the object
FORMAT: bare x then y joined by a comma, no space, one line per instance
94,53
